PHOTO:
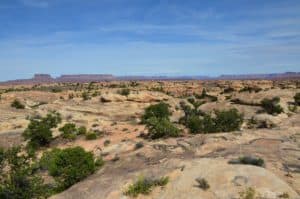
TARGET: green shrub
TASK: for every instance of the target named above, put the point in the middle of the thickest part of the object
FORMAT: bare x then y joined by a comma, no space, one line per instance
69,131
159,128
194,123
145,185
271,106
99,162
85,96
91,136
124,91
297,99
227,121
160,110
17,104
39,131
224,121
81,130
18,177
69,165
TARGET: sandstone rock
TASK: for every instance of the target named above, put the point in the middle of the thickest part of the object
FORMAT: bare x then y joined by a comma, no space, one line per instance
226,181
110,97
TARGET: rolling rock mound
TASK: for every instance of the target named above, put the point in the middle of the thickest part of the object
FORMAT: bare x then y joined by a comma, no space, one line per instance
226,181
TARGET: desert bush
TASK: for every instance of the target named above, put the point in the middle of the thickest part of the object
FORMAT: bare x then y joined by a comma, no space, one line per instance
242,102
124,91
224,121
250,89
17,104
252,161
271,106
81,130
39,131
188,113
85,96
145,185
253,123
202,183
228,90
134,84
248,160
69,131
195,103
99,162
229,120
56,89
249,193
284,195
69,165
205,95
159,128
160,111
139,145
71,96
91,136
95,94
297,99
194,123
18,176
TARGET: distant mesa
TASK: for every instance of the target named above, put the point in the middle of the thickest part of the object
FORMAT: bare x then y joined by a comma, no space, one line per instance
83,78
43,78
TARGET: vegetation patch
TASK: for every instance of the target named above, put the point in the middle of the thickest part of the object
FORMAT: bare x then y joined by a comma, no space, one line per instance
271,106
223,121
161,128
250,89
70,131
69,165
145,186
124,91
205,95
156,118
38,132
202,183
91,136
249,193
242,102
18,176
248,160
297,99
158,111
17,104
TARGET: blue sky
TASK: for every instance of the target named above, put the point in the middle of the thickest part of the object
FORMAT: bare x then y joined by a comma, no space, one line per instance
148,37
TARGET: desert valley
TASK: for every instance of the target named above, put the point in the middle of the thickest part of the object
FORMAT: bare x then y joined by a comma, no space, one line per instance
152,139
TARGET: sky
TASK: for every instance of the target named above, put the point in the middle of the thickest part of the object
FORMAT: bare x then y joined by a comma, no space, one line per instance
148,37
